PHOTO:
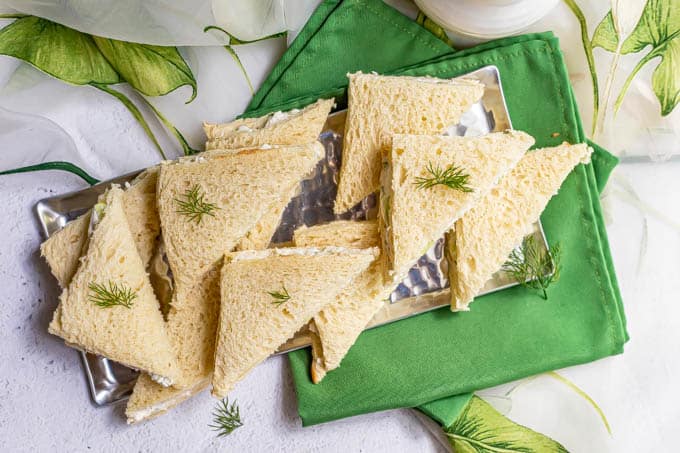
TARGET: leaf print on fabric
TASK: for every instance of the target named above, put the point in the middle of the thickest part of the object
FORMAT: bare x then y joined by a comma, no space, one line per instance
433,27
588,49
658,27
186,147
59,51
55,165
233,41
481,429
151,70
134,111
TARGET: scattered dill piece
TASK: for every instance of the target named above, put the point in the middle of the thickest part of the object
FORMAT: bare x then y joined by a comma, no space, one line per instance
279,297
533,267
110,295
452,177
194,205
226,418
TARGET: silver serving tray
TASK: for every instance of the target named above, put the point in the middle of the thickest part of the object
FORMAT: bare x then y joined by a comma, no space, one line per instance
425,288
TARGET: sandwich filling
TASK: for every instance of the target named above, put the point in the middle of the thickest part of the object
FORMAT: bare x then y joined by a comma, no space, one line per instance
162,406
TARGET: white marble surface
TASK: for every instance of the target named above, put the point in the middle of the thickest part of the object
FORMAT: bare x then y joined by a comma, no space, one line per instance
44,401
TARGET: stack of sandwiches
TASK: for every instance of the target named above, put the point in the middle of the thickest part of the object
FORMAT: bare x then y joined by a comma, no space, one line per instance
174,275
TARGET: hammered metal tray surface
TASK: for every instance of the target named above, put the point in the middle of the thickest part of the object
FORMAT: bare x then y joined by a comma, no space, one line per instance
424,289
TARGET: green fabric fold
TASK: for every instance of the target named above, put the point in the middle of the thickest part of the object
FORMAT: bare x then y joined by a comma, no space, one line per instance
509,334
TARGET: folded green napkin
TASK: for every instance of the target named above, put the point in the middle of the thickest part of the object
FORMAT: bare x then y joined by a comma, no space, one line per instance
426,360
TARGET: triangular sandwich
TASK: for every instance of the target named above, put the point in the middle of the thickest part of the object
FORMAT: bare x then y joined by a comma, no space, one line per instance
337,326
429,182
379,106
485,236
266,296
109,307
207,204
63,249
197,312
192,324
294,127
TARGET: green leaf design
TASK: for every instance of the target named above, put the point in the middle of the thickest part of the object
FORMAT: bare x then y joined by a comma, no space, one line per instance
59,51
186,147
433,27
236,58
481,429
151,70
55,165
132,108
584,395
234,41
12,16
588,49
659,27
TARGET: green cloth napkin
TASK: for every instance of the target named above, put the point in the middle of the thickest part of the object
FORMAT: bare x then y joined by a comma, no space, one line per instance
428,359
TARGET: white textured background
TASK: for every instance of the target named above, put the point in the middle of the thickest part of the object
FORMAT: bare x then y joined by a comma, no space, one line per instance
44,400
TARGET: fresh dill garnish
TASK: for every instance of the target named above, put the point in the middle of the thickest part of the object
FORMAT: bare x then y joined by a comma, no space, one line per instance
452,177
226,418
533,267
111,294
194,205
279,297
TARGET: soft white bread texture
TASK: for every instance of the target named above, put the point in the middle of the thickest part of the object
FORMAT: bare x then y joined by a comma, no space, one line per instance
134,336
241,185
379,106
192,325
150,399
413,218
486,235
260,236
63,249
294,127
251,326
192,321
341,233
141,212
337,326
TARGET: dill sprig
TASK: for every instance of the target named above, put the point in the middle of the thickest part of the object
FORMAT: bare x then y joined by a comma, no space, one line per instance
452,177
194,205
108,296
279,297
226,418
532,267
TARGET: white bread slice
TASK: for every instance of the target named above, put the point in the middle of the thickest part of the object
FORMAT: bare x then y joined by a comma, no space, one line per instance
295,127
486,235
242,185
134,336
63,249
260,236
141,212
251,326
413,218
192,326
379,106
150,399
342,233
336,327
